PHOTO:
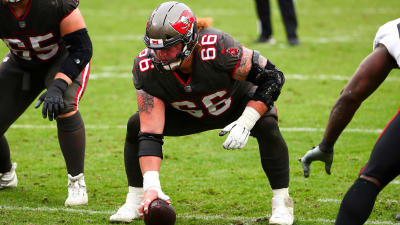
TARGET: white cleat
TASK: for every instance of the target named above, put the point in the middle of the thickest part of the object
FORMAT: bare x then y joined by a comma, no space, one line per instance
282,211
129,211
76,191
9,179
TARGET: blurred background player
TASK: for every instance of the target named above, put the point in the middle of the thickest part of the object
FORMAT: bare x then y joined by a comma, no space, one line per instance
49,48
200,77
289,18
384,163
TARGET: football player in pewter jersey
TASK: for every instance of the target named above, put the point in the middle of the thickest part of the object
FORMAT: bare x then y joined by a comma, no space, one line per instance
384,163
210,81
49,49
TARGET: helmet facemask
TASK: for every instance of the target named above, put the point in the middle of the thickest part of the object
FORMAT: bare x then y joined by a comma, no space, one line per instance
171,23
12,1
171,64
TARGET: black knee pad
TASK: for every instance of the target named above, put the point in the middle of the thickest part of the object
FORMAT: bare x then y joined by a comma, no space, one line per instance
69,124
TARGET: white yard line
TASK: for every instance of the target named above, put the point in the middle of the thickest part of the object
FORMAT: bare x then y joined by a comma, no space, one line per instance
314,40
205,12
108,75
340,200
125,72
125,37
47,209
310,129
103,127
186,215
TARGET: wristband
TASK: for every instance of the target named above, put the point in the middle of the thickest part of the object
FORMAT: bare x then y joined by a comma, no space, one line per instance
151,181
249,117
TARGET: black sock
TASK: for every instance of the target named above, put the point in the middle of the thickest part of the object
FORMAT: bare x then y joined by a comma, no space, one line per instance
358,203
131,150
5,161
132,166
71,136
273,152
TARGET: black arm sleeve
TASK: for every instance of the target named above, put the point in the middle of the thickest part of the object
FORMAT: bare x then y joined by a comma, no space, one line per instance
80,51
269,81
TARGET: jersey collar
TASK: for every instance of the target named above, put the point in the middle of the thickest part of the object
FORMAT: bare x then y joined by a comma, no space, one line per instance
25,13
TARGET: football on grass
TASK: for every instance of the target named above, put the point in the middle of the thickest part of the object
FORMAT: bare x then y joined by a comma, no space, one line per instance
160,213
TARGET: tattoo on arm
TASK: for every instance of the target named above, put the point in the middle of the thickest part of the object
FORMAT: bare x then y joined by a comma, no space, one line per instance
262,61
245,64
145,101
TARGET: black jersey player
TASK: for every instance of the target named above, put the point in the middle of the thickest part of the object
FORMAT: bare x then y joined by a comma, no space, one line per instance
384,162
189,81
49,49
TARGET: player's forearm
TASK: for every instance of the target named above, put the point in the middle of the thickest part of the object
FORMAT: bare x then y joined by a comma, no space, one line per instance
372,71
341,115
150,163
259,106
60,75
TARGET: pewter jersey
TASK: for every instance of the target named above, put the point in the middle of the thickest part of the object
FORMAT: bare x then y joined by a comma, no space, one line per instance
34,38
389,35
209,91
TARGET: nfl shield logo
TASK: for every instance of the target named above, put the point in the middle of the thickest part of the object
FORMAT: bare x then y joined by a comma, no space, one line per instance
22,24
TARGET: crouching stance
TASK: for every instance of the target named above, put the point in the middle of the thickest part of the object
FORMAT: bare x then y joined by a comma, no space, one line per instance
49,49
210,81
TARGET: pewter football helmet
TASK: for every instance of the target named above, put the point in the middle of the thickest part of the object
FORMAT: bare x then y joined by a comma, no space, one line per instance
169,24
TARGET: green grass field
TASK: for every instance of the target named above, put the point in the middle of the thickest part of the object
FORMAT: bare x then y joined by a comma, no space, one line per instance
207,184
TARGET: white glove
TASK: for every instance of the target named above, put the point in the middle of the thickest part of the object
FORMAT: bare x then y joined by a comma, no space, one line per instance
239,130
151,181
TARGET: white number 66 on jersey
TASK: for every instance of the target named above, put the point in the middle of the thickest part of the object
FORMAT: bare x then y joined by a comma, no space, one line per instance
215,104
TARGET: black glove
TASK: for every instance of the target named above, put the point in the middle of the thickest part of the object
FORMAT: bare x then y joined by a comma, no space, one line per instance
40,99
53,99
316,154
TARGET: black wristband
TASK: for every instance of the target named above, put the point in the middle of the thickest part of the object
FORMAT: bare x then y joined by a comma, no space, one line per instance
150,144
326,147
61,84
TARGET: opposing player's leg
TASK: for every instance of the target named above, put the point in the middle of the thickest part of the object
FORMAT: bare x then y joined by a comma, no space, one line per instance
71,135
383,166
17,91
358,202
275,162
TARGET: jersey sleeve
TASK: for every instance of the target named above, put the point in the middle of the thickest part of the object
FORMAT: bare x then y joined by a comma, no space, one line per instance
137,80
389,35
228,51
66,7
